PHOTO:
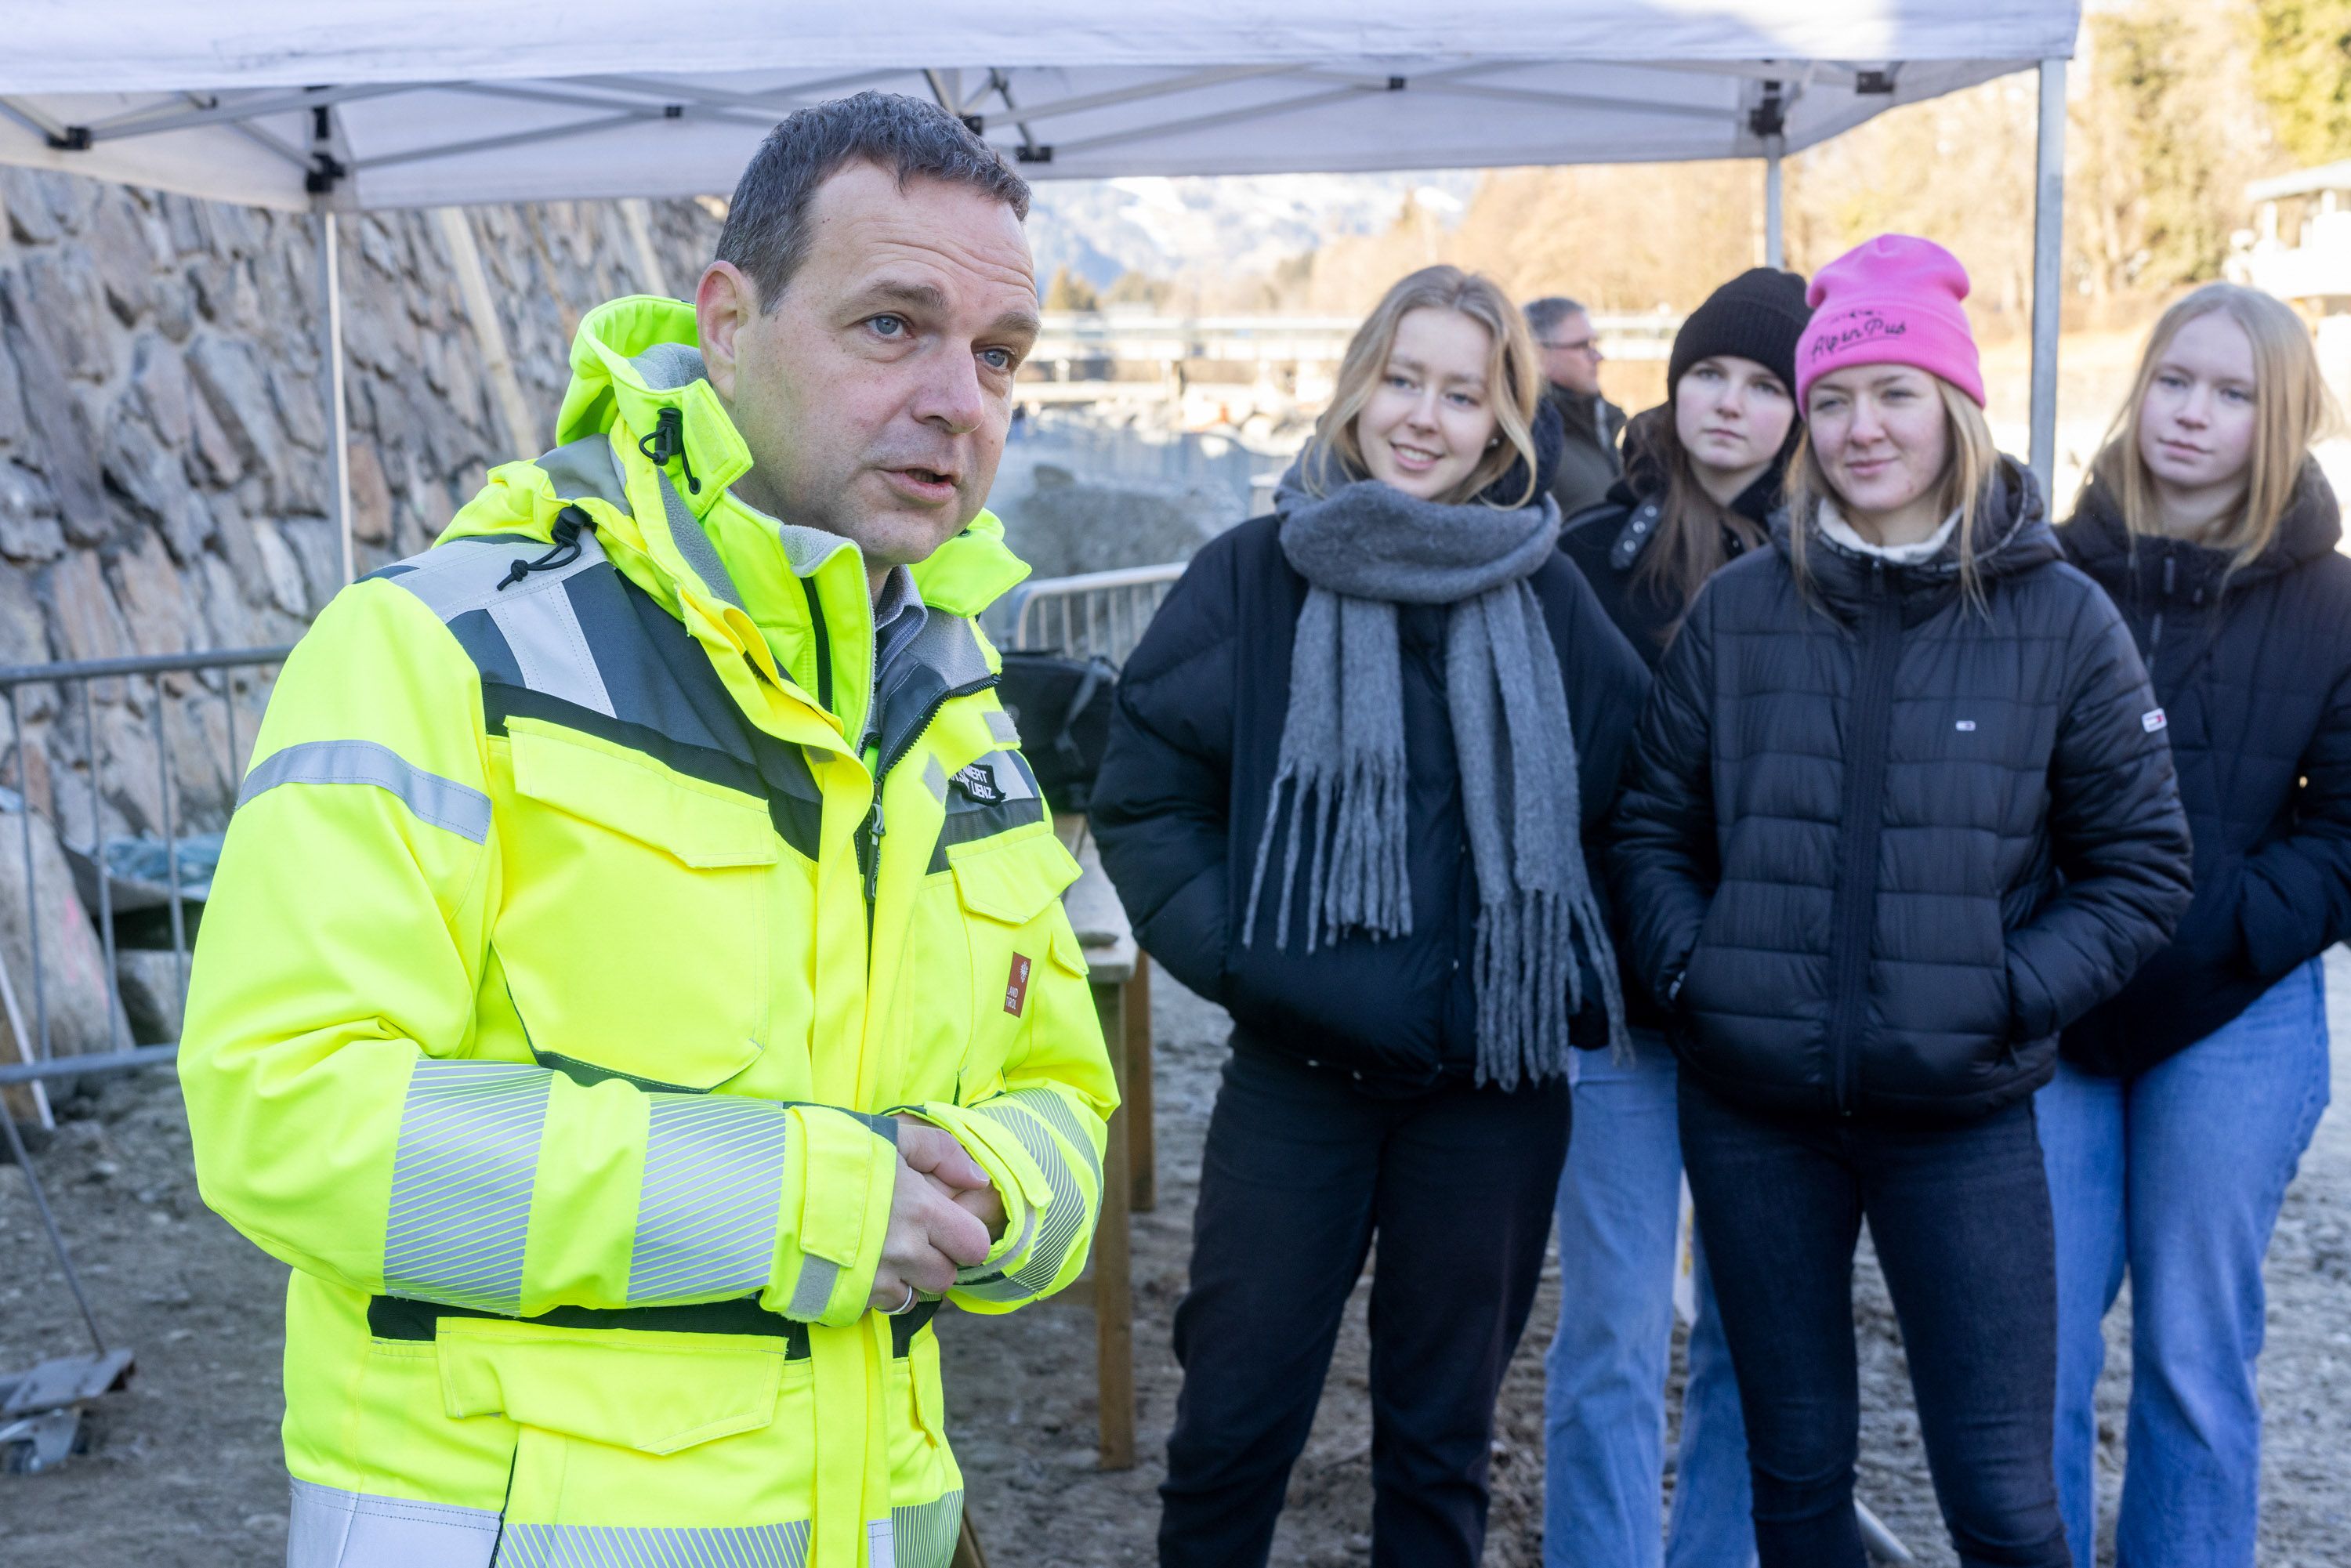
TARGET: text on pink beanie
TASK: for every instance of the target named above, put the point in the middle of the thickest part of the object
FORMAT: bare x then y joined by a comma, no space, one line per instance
1892,300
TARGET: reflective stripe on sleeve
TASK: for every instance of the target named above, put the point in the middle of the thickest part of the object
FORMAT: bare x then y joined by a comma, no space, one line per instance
632,1546
330,1528
444,802
461,1183
714,1177
1027,1115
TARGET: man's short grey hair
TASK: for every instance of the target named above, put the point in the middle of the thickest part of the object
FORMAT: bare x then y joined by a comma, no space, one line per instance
767,232
1544,315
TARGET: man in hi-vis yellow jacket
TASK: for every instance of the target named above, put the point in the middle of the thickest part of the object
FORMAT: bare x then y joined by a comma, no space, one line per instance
635,990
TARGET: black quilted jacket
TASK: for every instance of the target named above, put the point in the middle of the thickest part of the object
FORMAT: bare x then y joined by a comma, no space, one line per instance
1880,846
2253,670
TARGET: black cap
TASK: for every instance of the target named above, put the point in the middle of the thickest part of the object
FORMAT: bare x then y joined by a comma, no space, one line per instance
1757,315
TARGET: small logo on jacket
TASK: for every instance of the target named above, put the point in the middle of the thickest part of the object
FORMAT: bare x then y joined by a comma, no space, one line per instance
1016,985
979,784
2152,720
1965,727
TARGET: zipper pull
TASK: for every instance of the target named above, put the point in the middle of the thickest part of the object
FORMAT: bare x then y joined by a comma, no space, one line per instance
874,832
668,441
2170,564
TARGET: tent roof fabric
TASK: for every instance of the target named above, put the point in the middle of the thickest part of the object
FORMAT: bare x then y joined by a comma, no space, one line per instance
437,102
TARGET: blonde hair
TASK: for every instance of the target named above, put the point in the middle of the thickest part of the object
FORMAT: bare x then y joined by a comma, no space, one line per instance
2290,406
1513,382
1969,471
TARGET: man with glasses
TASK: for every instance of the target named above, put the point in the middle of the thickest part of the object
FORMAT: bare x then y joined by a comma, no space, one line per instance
1571,364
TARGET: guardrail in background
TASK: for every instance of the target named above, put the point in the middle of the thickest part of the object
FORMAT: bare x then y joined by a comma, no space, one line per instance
1098,613
97,868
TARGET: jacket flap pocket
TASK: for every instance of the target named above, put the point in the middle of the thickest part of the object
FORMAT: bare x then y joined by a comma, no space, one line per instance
656,1393
1013,882
700,824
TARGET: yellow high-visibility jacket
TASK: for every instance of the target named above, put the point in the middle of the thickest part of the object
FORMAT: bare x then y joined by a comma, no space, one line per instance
584,912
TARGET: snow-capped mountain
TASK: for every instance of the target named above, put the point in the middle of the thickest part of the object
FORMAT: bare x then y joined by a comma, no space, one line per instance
1161,227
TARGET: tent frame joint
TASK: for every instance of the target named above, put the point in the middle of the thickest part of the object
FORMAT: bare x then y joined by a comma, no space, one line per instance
70,138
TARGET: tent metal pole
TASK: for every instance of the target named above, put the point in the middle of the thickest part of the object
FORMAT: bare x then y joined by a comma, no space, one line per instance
2048,272
338,411
1775,244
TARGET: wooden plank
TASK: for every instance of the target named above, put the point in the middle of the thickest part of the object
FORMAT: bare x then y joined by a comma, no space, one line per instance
1142,1144
1113,1263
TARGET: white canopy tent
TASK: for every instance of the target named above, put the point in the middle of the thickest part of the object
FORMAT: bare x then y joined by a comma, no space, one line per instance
404,103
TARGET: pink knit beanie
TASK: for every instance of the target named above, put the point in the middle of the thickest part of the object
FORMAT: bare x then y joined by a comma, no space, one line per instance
1892,300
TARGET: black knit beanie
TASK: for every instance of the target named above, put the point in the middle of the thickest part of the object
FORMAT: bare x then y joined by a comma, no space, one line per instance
1757,315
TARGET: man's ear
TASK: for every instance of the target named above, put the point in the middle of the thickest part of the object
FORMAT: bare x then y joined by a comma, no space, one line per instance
725,302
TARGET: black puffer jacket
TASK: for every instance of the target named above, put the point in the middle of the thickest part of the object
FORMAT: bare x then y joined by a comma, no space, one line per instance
1180,804
1881,847
2253,671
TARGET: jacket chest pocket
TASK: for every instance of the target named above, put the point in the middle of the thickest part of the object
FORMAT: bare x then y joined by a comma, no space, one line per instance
1007,898
633,926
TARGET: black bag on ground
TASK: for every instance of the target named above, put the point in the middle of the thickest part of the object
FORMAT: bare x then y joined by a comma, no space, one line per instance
1062,707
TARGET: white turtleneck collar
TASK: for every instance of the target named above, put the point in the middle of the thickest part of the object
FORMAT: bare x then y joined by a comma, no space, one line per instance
1841,533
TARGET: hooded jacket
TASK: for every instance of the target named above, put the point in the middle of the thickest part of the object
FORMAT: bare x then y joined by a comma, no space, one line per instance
1879,844
557,981
2253,668
1180,803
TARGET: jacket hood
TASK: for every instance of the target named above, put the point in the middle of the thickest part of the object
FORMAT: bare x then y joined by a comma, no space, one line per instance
634,358
2012,536
2098,541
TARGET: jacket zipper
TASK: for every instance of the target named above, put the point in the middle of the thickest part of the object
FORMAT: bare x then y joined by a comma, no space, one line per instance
1853,923
870,834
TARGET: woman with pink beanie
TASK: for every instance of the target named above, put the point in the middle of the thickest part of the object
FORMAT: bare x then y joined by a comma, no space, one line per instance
1900,808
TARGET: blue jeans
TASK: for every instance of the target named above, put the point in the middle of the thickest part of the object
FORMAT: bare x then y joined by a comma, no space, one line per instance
1604,1376
2174,1176
1959,1217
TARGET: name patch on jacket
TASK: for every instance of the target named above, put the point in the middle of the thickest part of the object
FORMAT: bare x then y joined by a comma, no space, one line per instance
1016,985
977,782
2152,720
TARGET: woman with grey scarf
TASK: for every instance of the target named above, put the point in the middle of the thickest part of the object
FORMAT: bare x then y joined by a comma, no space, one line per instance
1350,776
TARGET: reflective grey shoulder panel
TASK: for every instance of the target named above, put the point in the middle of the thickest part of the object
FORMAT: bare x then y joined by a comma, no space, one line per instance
330,1528
464,574
444,802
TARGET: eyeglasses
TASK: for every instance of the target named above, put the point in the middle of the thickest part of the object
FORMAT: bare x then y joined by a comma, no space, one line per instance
1589,346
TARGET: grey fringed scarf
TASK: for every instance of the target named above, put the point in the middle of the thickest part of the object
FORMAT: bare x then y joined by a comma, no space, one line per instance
1364,549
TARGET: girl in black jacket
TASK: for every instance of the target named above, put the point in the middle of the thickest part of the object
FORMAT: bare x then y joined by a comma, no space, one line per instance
1344,796
2181,1107
1702,474
1898,812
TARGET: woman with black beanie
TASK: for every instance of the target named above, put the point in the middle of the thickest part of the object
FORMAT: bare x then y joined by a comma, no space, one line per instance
1702,473
1351,775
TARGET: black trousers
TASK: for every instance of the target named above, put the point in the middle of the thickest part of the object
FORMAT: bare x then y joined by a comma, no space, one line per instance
1300,1173
1959,1217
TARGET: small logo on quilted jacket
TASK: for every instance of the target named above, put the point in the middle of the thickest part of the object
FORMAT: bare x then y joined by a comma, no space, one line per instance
2152,720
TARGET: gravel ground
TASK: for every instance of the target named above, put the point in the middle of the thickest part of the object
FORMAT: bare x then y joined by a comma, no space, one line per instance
183,1468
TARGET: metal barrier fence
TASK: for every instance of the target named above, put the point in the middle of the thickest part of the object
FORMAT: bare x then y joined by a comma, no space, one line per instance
216,675
1098,613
